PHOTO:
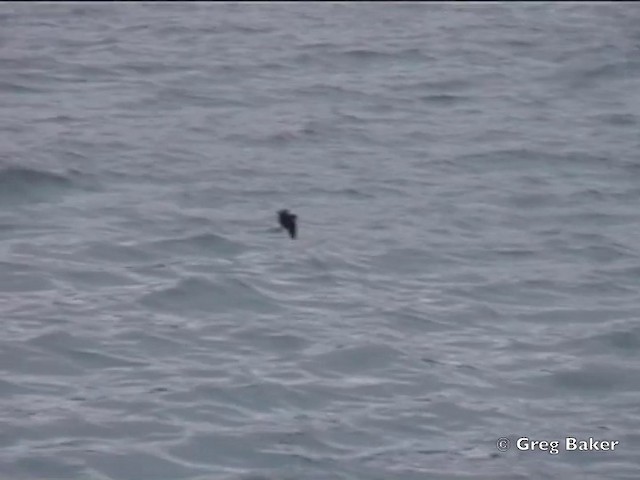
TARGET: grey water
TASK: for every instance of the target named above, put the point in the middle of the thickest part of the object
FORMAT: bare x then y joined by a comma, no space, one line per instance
467,182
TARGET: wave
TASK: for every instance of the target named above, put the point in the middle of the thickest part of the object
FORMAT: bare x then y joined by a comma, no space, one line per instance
201,294
368,54
21,184
199,244
21,175
356,56
18,88
618,119
443,99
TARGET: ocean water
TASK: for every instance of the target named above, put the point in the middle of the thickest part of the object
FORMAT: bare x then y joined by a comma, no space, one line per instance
467,181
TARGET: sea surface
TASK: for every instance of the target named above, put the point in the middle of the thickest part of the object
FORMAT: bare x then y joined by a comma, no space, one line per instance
467,182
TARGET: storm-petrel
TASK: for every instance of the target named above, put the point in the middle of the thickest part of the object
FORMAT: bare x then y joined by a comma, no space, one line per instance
288,222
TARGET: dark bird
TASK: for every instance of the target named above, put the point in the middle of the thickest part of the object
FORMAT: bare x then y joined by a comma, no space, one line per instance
288,222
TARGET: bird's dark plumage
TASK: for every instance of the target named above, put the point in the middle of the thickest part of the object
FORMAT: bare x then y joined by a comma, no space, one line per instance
288,222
